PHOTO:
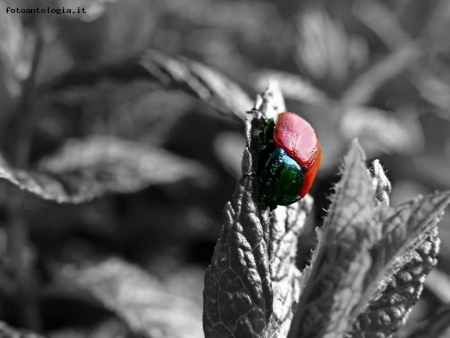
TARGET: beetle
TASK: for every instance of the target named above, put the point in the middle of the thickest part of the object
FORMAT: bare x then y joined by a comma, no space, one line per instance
289,158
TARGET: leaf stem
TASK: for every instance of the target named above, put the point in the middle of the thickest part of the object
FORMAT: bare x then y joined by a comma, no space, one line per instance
24,135
18,232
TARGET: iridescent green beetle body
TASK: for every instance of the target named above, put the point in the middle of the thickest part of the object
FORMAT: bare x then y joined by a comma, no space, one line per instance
288,160
280,181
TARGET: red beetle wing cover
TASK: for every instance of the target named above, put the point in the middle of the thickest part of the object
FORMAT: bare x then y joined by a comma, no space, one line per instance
310,175
298,139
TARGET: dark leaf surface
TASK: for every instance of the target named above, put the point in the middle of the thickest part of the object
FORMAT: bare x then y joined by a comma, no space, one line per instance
85,169
195,78
148,306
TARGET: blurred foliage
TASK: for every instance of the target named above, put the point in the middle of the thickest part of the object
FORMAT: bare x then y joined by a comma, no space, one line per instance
156,136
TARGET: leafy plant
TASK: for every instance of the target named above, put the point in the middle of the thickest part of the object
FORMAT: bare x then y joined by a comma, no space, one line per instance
365,274
121,141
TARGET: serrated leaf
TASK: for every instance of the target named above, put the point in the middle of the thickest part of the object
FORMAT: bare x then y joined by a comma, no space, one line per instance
238,292
86,169
286,226
354,198
407,249
144,303
369,257
405,225
223,94
252,282
402,258
338,269
388,312
193,77
7,331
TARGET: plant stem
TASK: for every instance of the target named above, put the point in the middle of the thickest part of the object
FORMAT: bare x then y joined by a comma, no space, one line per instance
24,136
18,232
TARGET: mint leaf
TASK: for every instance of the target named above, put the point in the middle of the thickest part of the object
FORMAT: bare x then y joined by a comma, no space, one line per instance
371,260
252,283
90,168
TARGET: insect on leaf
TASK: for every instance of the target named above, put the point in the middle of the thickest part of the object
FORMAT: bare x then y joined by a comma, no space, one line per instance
252,282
